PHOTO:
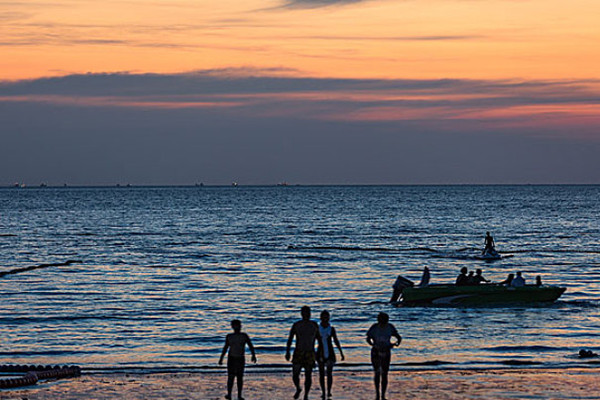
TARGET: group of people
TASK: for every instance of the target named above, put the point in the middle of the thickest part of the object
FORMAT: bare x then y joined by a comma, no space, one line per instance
306,334
468,278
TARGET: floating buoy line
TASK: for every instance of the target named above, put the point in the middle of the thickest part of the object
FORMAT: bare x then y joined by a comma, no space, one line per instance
35,373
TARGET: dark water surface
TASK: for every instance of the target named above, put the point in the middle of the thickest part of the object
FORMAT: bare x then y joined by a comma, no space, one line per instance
165,269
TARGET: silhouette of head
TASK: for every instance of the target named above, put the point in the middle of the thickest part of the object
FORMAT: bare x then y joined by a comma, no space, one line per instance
325,316
383,318
478,271
305,312
519,273
487,234
236,325
471,273
463,270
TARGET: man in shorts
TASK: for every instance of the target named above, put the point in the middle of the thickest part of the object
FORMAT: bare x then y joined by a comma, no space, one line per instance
379,337
306,333
236,343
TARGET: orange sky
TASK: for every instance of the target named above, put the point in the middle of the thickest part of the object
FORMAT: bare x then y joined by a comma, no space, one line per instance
483,39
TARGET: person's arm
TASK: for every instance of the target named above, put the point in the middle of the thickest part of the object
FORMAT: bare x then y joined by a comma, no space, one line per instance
289,342
225,347
370,338
319,342
251,347
397,336
337,342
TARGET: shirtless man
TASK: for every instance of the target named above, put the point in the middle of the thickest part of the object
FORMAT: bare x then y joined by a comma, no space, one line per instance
306,333
236,343
489,243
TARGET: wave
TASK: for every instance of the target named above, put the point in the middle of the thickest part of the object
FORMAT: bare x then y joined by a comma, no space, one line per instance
71,318
520,362
551,251
360,248
524,348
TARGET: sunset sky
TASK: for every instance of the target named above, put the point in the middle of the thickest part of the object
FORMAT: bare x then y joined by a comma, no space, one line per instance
304,91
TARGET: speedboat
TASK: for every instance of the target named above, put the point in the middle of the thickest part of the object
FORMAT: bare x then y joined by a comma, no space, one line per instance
473,295
485,294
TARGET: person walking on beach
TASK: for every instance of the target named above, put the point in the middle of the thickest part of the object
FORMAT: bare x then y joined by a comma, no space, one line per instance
236,361
328,337
379,337
306,333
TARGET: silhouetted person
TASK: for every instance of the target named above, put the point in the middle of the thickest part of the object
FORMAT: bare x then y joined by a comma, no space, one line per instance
478,279
306,333
425,277
508,280
518,281
471,278
538,281
488,244
328,337
236,360
462,279
379,337
583,353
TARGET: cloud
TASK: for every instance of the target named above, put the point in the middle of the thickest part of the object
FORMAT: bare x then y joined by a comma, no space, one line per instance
318,3
271,92
265,126
431,38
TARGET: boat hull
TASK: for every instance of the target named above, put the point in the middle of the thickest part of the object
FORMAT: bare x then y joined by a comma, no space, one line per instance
479,295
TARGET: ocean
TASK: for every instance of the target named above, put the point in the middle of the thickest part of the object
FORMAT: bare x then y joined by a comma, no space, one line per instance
161,271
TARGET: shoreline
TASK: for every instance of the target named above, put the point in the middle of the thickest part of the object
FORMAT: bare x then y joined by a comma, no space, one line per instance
352,367
506,383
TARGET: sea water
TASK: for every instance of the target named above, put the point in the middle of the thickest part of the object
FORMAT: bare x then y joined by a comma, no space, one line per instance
163,270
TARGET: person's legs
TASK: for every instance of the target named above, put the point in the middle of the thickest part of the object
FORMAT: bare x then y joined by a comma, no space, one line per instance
376,379
240,383
230,378
307,380
329,378
385,368
322,377
296,378
376,362
384,383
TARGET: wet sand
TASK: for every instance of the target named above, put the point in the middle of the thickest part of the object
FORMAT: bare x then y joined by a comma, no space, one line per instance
576,383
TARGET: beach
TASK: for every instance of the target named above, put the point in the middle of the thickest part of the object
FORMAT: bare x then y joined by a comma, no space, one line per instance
574,383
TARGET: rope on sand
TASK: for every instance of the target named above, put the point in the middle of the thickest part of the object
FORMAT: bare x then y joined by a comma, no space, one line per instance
33,374
24,269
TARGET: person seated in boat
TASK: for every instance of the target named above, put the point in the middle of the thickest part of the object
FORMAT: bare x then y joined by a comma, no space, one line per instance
462,279
508,280
583,353
425,278
489,244
471,278
538,281
479,278
519,281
